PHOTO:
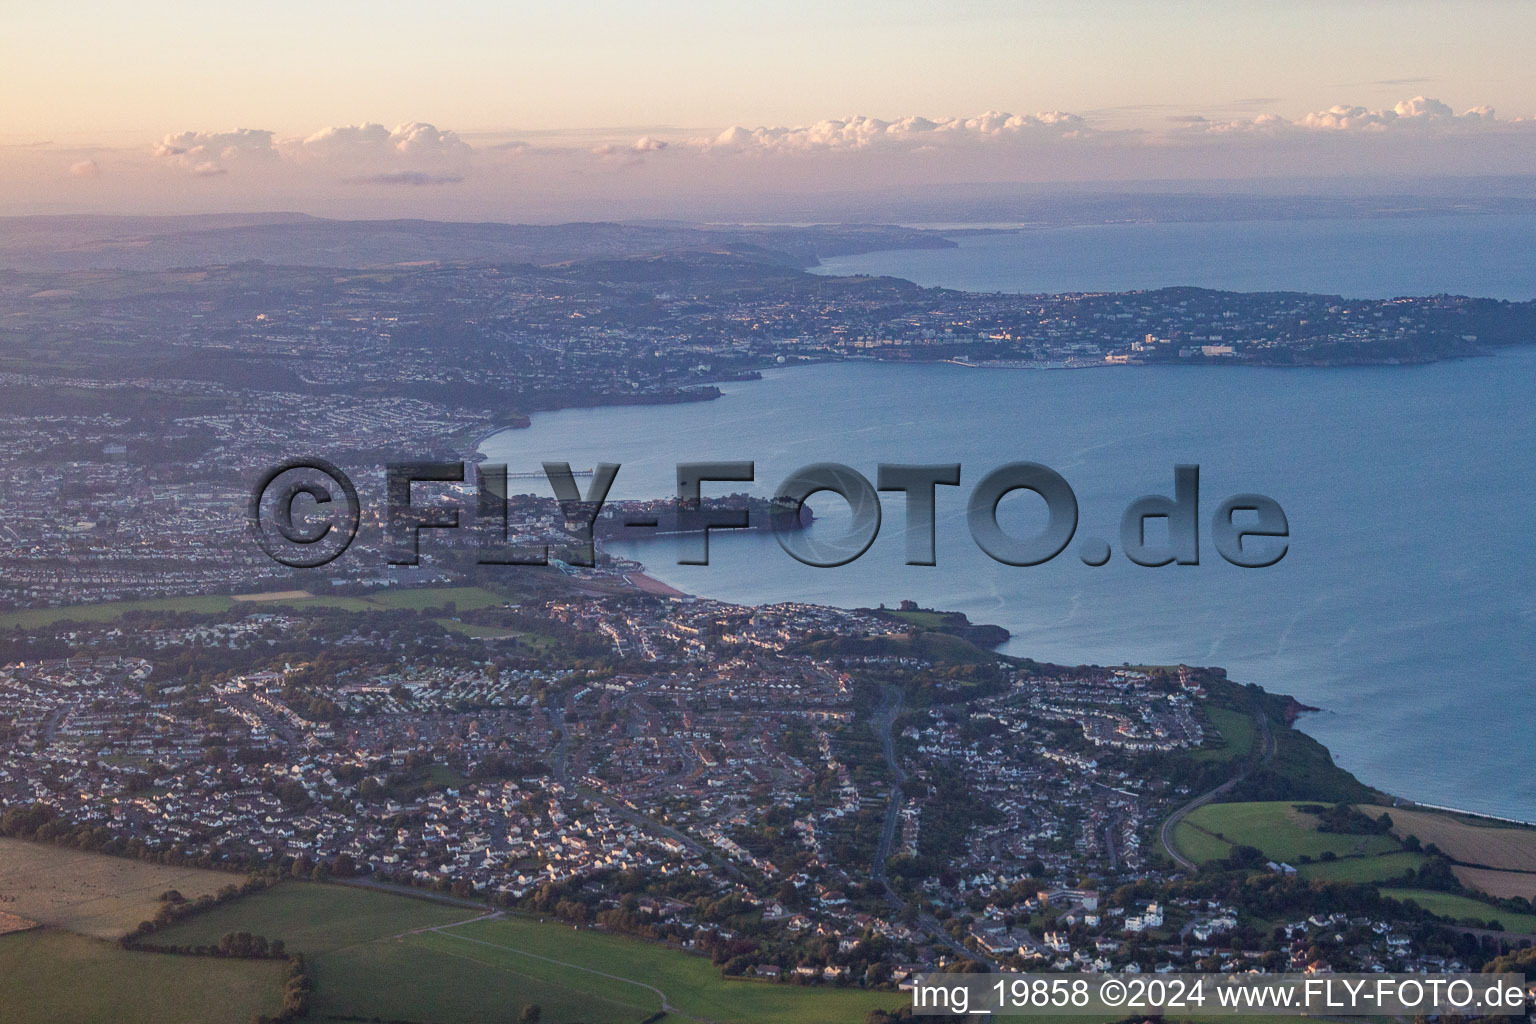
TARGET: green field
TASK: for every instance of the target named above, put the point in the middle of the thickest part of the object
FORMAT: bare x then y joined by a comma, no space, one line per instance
691,983
55,977
314,918
1275,827
471,629
1237,732
1198,845
31,618
924,619
1461,908
1384,868
379,954
463,598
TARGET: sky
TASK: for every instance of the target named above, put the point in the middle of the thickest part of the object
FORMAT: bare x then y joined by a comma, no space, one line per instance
653,107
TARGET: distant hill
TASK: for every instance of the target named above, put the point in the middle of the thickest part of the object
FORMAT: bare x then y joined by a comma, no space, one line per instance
291,239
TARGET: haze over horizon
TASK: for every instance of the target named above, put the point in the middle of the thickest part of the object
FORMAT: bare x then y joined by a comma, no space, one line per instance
503,113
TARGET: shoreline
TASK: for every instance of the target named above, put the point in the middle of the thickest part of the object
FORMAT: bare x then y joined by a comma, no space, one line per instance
1409,805
650,585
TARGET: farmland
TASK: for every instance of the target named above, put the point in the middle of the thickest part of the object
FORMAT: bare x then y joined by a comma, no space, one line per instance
380,954
1493,857
1382,868
1501,884
84,892
12,923
314,918
55,977
1468,840
691,983
1464,908
1277,828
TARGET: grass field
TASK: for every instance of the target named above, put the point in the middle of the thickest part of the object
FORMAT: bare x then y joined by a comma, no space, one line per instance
472,629
1384,868
1461,908
1509,848
463,598
374,954
923,619
54,977
691,983
1237,733
1277,828
315,918
31,618
88,893
1199,845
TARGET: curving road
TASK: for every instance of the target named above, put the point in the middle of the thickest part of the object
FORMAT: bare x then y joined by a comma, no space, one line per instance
1221,790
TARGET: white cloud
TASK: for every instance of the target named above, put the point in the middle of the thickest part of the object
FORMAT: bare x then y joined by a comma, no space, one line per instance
412,143
356,149
630,154
904,133
212,153
85,169
1418,113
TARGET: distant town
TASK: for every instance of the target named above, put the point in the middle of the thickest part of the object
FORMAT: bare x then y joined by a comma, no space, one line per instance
140,405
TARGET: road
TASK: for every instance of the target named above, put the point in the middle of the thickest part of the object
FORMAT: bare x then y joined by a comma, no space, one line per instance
1221,790
883,722
562,769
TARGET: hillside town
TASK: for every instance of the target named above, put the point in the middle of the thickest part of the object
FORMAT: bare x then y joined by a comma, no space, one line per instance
835,794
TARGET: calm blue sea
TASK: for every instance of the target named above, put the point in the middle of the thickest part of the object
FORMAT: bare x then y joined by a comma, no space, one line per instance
1488,256
1406,608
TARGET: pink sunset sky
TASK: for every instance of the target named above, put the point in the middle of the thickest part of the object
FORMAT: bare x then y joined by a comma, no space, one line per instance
583,110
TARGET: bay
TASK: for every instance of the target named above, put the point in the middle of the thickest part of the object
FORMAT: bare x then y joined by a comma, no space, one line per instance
1405,607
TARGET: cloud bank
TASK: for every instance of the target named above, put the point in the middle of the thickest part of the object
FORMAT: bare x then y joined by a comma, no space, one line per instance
868,132
418,168
414,151
1420,113
420,153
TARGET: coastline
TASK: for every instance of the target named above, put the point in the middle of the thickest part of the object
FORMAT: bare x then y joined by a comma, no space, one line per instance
1398,784
651,585
1407,804
642,581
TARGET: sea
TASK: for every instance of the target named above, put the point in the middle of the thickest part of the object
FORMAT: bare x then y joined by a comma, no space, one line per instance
1483,255
1404,608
